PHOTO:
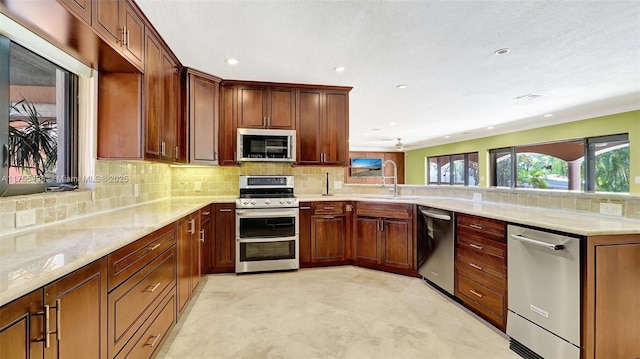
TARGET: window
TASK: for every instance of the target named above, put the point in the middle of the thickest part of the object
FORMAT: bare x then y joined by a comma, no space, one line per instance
38,126
561,165
458,169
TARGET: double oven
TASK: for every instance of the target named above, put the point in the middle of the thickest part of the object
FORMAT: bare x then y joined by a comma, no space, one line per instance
267,224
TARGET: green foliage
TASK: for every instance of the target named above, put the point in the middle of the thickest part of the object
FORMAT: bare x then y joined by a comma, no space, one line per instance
34,145
612,170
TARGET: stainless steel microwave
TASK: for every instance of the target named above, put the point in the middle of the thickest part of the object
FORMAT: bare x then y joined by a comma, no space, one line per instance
261,145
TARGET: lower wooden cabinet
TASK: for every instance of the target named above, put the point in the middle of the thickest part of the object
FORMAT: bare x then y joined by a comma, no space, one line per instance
206,239
384,237
76,308
330,230
304,234
188,264
225,238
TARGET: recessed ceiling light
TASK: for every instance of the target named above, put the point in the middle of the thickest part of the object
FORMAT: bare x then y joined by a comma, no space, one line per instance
402,86
548,115
375,129
338,69
366,133
231,61
502,51
490,128
529,97
392,123
447,136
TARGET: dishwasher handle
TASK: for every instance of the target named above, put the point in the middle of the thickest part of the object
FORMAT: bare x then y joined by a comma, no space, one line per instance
444,217
555,247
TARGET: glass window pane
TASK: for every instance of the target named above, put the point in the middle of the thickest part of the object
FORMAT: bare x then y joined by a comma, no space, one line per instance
502,168
551,165
445,173
432,169
458,169
37,90
612,166
473,171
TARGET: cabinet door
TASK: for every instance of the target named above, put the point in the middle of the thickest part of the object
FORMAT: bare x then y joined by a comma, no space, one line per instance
397,241
252,102
153,92
366,249
225,252
188,262
327,238
203,120
80,314
82,8
20,327
305,234
206,240
133,36
106,20
228,127
170,96
617,314
336,128
309,126
282,107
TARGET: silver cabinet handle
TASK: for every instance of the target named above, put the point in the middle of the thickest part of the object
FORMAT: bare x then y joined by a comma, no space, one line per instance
555,247
152,248
162,146
443,217
152,288
476,266
305,208
225,209
475,226
477,294
47,332
202,235
476,246
152,340
328,208
58,319
328,217
128,42
177,153
192,224
206,213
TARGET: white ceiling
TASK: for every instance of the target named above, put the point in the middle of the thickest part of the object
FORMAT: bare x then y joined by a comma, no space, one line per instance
584,56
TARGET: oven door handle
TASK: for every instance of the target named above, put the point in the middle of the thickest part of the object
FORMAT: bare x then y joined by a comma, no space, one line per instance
257,213
266,239
555,247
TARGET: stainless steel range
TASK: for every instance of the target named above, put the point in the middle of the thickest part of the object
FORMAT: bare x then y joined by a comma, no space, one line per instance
266,224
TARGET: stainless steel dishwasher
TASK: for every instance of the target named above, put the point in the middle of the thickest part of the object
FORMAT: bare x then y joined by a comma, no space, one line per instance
544,273
435,247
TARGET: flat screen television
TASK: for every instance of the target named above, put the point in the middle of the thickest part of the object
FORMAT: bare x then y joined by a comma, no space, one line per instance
366,167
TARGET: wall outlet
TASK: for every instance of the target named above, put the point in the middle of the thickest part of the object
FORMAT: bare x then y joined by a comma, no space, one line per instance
337,184
477,196
637,179
93,196
612,209
136,190
25,218
197,185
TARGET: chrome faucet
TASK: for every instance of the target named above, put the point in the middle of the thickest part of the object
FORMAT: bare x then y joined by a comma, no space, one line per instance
395,176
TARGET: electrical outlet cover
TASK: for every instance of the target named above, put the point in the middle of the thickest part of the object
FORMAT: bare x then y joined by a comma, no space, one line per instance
25,218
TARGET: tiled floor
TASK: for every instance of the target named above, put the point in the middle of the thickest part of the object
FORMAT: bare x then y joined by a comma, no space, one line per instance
336,312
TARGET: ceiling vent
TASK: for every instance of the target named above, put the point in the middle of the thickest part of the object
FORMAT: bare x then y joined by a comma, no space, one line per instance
529,97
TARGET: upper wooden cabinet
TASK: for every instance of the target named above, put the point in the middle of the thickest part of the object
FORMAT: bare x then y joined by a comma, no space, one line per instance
322,123
118,23
228,126
81,8
162,101
266,107
202,99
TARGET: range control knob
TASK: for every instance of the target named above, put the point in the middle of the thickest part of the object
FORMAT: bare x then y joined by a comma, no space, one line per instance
282,201
253,201
267,201
245,202
289,201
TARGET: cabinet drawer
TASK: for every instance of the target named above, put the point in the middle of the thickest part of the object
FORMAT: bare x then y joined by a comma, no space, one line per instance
491,301
387,210
328,208
129,259
205,213
489,271
479,226
488,250
130,303
147,341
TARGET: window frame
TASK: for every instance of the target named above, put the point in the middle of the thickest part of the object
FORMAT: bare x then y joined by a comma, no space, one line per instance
451,181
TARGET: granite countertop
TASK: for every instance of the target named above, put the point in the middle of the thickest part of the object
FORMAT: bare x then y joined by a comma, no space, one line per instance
32,258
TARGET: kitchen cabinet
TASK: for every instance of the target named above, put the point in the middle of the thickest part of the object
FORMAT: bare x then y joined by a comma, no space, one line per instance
161,90
140,276
304,235
384,237
330,230
203,98
188,247
266,106
322,124
227,137
481,267
81,8
611,311
225,238
119,24
47,322
206,239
